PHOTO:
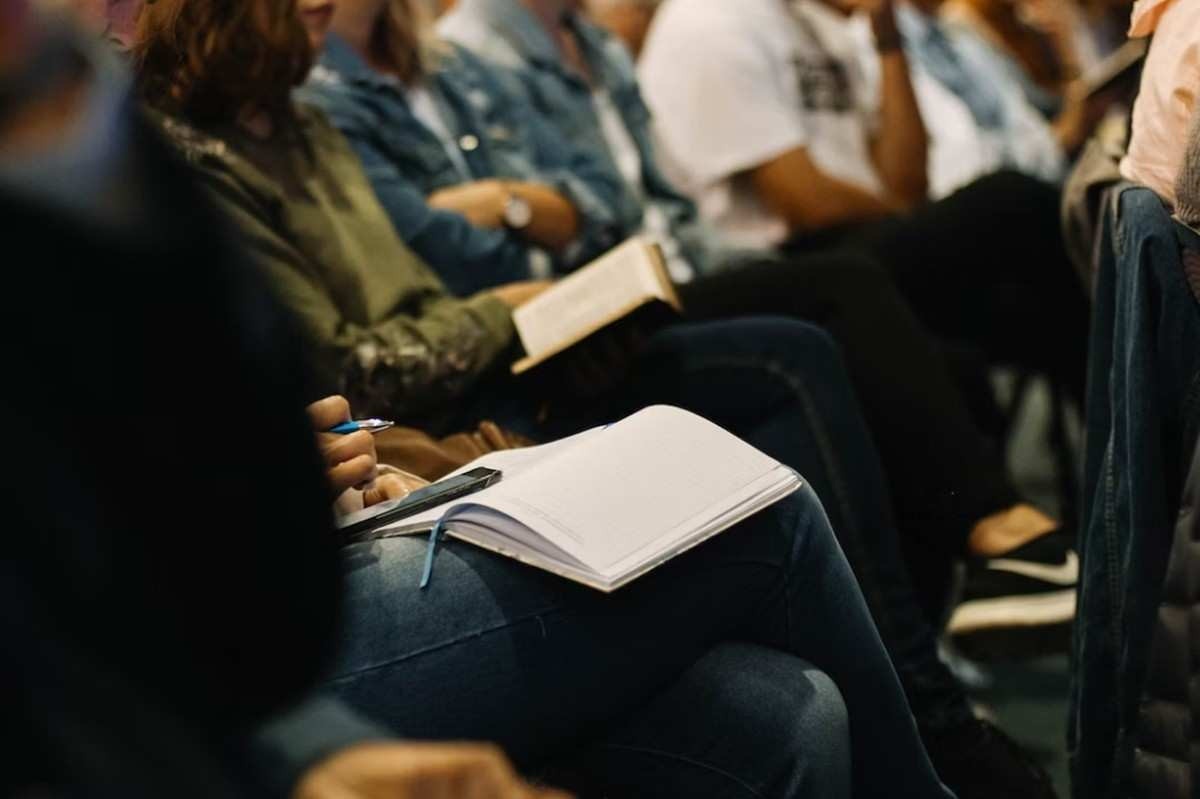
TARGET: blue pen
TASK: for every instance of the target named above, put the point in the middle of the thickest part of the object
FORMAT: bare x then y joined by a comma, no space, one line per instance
370,425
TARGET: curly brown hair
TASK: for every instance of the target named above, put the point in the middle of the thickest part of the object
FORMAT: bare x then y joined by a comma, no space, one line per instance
208,61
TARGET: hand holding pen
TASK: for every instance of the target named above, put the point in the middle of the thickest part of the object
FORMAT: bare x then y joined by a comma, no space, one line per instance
347,446
365,425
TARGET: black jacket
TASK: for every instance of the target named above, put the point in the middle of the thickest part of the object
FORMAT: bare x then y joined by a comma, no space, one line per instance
1167,759
169,574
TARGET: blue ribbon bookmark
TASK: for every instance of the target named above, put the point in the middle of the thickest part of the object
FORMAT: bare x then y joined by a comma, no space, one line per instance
435,536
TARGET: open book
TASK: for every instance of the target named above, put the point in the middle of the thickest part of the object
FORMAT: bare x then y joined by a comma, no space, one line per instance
606,506
625,279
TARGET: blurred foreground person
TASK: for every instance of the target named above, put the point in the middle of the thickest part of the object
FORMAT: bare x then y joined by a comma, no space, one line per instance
171,581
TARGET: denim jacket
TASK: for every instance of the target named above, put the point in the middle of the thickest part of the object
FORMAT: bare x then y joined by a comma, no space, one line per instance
505,32
499,137
1143,417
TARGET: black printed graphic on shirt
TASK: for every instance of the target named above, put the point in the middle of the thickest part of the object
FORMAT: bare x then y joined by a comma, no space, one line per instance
824,84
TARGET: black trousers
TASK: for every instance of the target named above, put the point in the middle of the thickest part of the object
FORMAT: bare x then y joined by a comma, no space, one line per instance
943,471
986,265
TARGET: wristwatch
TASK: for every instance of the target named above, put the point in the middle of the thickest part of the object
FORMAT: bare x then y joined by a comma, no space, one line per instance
518,213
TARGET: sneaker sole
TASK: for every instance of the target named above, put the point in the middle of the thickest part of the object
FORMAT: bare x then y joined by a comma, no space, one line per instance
1040,611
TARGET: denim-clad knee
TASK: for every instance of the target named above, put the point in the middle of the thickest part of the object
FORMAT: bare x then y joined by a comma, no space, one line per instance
743,721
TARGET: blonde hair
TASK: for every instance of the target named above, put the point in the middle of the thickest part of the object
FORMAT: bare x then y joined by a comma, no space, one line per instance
405,40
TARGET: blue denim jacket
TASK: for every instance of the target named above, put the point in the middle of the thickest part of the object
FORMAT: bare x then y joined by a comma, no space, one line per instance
1143,415
499,136
505,32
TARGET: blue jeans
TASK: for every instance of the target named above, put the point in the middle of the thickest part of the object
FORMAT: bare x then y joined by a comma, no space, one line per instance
781,385
1143,411
693,681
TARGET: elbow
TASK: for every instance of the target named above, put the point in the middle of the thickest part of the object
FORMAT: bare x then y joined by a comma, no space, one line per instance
911,190
816,217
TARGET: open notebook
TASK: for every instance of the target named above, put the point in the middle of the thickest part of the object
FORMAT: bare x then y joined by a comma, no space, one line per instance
606,506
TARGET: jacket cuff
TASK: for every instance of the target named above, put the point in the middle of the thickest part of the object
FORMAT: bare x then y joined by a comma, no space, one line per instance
495,316
598,228
283,749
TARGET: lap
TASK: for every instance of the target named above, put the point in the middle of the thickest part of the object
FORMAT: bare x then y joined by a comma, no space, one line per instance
499,651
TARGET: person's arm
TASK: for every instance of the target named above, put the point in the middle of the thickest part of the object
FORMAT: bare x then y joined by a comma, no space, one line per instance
402,366
901,149
351,463
552,225
793,187
321,749
584,179
469,257
763,132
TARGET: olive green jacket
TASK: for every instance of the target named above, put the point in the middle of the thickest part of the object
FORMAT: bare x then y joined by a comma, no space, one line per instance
388,334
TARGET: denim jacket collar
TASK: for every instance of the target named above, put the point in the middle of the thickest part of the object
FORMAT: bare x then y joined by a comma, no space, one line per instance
338,62
525,34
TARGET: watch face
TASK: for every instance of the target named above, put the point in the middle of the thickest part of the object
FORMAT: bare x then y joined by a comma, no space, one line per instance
517,213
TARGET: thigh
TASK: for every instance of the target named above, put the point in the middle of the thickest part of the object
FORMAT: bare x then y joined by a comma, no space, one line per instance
814,286
499,651
743,721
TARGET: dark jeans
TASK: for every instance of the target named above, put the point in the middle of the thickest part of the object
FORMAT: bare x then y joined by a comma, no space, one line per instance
944,473
1143,413
987,266
692,681
780,385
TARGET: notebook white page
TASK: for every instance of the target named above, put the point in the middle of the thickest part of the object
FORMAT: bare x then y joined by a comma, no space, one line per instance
617,499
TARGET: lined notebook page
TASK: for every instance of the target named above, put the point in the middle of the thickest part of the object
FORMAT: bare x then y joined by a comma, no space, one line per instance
630,485
591,298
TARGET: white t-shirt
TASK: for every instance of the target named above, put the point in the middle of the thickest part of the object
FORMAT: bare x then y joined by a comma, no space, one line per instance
734,84
624,151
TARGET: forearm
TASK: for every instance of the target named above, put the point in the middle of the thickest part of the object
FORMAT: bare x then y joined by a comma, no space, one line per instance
839,203
280,751
901,149
810,200
407,366
554,224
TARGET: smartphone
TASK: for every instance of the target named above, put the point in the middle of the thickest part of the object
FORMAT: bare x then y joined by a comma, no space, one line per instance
358,526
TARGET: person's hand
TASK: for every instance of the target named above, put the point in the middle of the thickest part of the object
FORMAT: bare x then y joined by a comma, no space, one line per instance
482,202
1081,112
417,771
391,484
514,295
349,460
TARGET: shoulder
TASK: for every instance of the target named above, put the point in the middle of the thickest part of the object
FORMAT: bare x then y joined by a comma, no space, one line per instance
215,161
476,35
709,17
318,130
710,31
614,52
197,147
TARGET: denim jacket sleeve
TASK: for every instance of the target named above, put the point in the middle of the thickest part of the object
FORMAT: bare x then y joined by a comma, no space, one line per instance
590,184
468,258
